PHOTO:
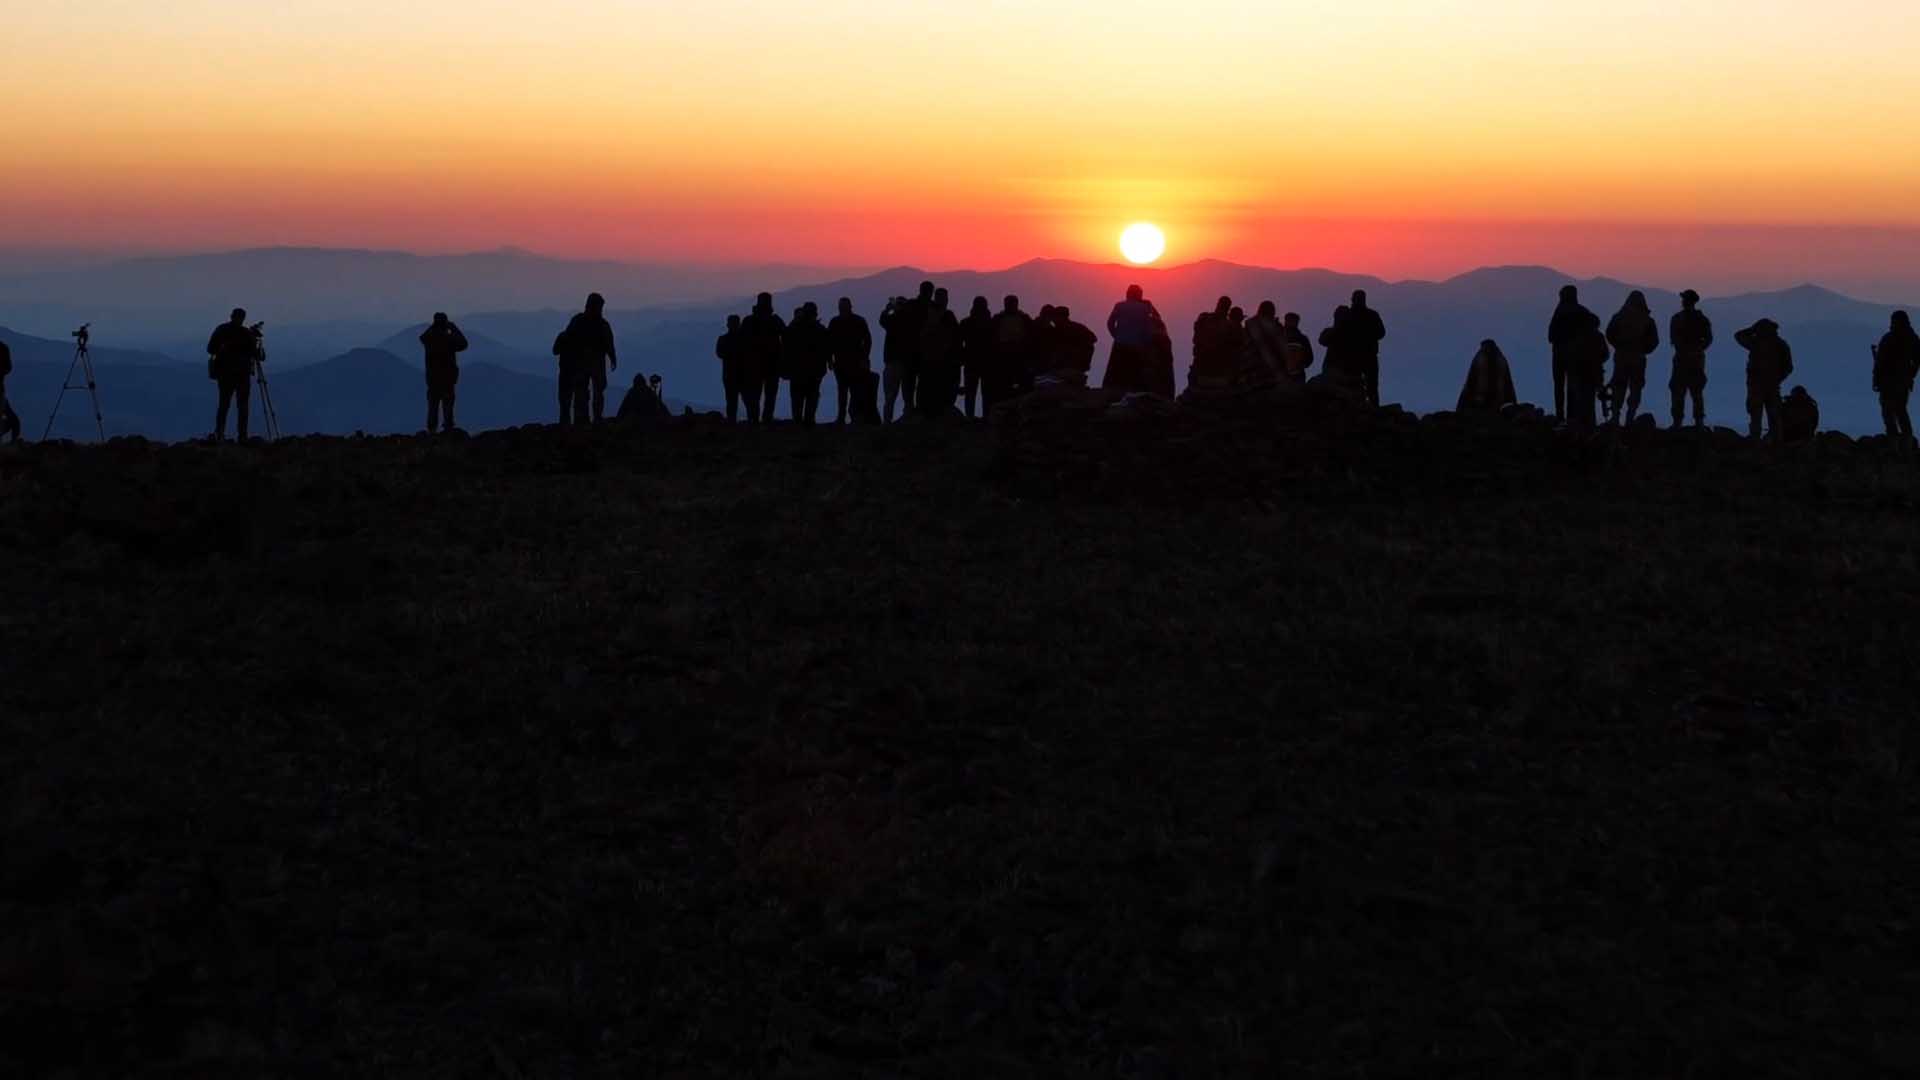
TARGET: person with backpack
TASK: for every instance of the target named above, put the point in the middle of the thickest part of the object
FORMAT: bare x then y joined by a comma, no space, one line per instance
443,343
1586,370
585,350
1769,362
231,351
1634,336
1691,333
1896,360
806,351
760,338
9,420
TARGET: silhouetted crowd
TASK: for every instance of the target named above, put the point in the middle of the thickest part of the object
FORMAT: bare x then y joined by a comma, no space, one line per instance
936,364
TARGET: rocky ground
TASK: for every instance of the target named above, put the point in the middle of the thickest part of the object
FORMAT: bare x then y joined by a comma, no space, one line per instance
1281,741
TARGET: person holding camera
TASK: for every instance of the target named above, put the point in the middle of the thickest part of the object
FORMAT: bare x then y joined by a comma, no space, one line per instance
231,352
444,343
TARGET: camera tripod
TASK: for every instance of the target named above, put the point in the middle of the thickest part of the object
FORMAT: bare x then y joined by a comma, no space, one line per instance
270,419
83,363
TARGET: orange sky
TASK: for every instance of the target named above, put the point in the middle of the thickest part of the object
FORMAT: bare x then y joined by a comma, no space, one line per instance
1394,137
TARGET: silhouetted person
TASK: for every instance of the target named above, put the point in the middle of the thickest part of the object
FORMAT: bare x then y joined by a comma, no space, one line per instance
1045,334
727,348
586,350
760,336
852,343
1074,343
1489,386
1634,335
9,420
1266,343
1896,360
1586,371
1769,362
1567,333
808,350
1299,349
976,350
443,343
642,402
1132,360
1366,332
904,321
230,355
1011,370
1691,334
1214,346
1799,416
1334,339
939,382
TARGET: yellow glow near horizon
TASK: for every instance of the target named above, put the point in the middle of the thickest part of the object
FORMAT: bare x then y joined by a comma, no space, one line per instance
948,132
1143,243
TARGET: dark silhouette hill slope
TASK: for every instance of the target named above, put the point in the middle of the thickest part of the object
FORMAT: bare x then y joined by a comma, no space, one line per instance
1367,746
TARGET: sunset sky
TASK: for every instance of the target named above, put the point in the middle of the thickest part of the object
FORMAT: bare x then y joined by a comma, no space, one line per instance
1758,138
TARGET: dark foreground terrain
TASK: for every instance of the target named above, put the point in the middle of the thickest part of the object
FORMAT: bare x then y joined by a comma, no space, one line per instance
1072,747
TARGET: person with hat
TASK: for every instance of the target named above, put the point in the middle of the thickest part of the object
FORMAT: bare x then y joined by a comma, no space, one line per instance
443,343
1691,334
1769,362
1633,335
230,355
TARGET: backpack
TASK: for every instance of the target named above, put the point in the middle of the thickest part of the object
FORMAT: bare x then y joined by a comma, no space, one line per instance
561,345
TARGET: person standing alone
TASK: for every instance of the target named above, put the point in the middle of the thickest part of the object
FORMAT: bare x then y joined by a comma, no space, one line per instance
443,343
230,355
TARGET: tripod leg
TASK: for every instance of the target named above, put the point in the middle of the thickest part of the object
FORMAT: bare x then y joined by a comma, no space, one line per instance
93,393
61,399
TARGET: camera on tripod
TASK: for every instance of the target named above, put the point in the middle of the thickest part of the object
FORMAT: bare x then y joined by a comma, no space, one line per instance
81,334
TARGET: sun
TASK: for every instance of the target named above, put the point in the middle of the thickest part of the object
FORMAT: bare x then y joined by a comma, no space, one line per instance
1142,243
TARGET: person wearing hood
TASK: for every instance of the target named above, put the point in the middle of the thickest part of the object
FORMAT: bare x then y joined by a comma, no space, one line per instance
1333,340
1586,371
1896,360
1489,386
1634,336
806,350
1214,347
1568,333
1799,417
760,338
1691,333
1769,362
1074,343
976,351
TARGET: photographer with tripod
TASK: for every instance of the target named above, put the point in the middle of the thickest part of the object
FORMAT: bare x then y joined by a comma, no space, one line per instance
231,354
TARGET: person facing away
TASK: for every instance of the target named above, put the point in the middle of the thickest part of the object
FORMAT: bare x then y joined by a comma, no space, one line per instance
9,420
1074,343
1299,349
1691,334
1045,333
904,321
939,381
1213,345
976,350
443,343
1489,386
230,356
1130,361
851,341
1334,340
1365,333
1896,360
1266,349
1010,370
1567,333
1799,417
1769,362
726,348
585,349
1634,336
1586,371
807,351
760,336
